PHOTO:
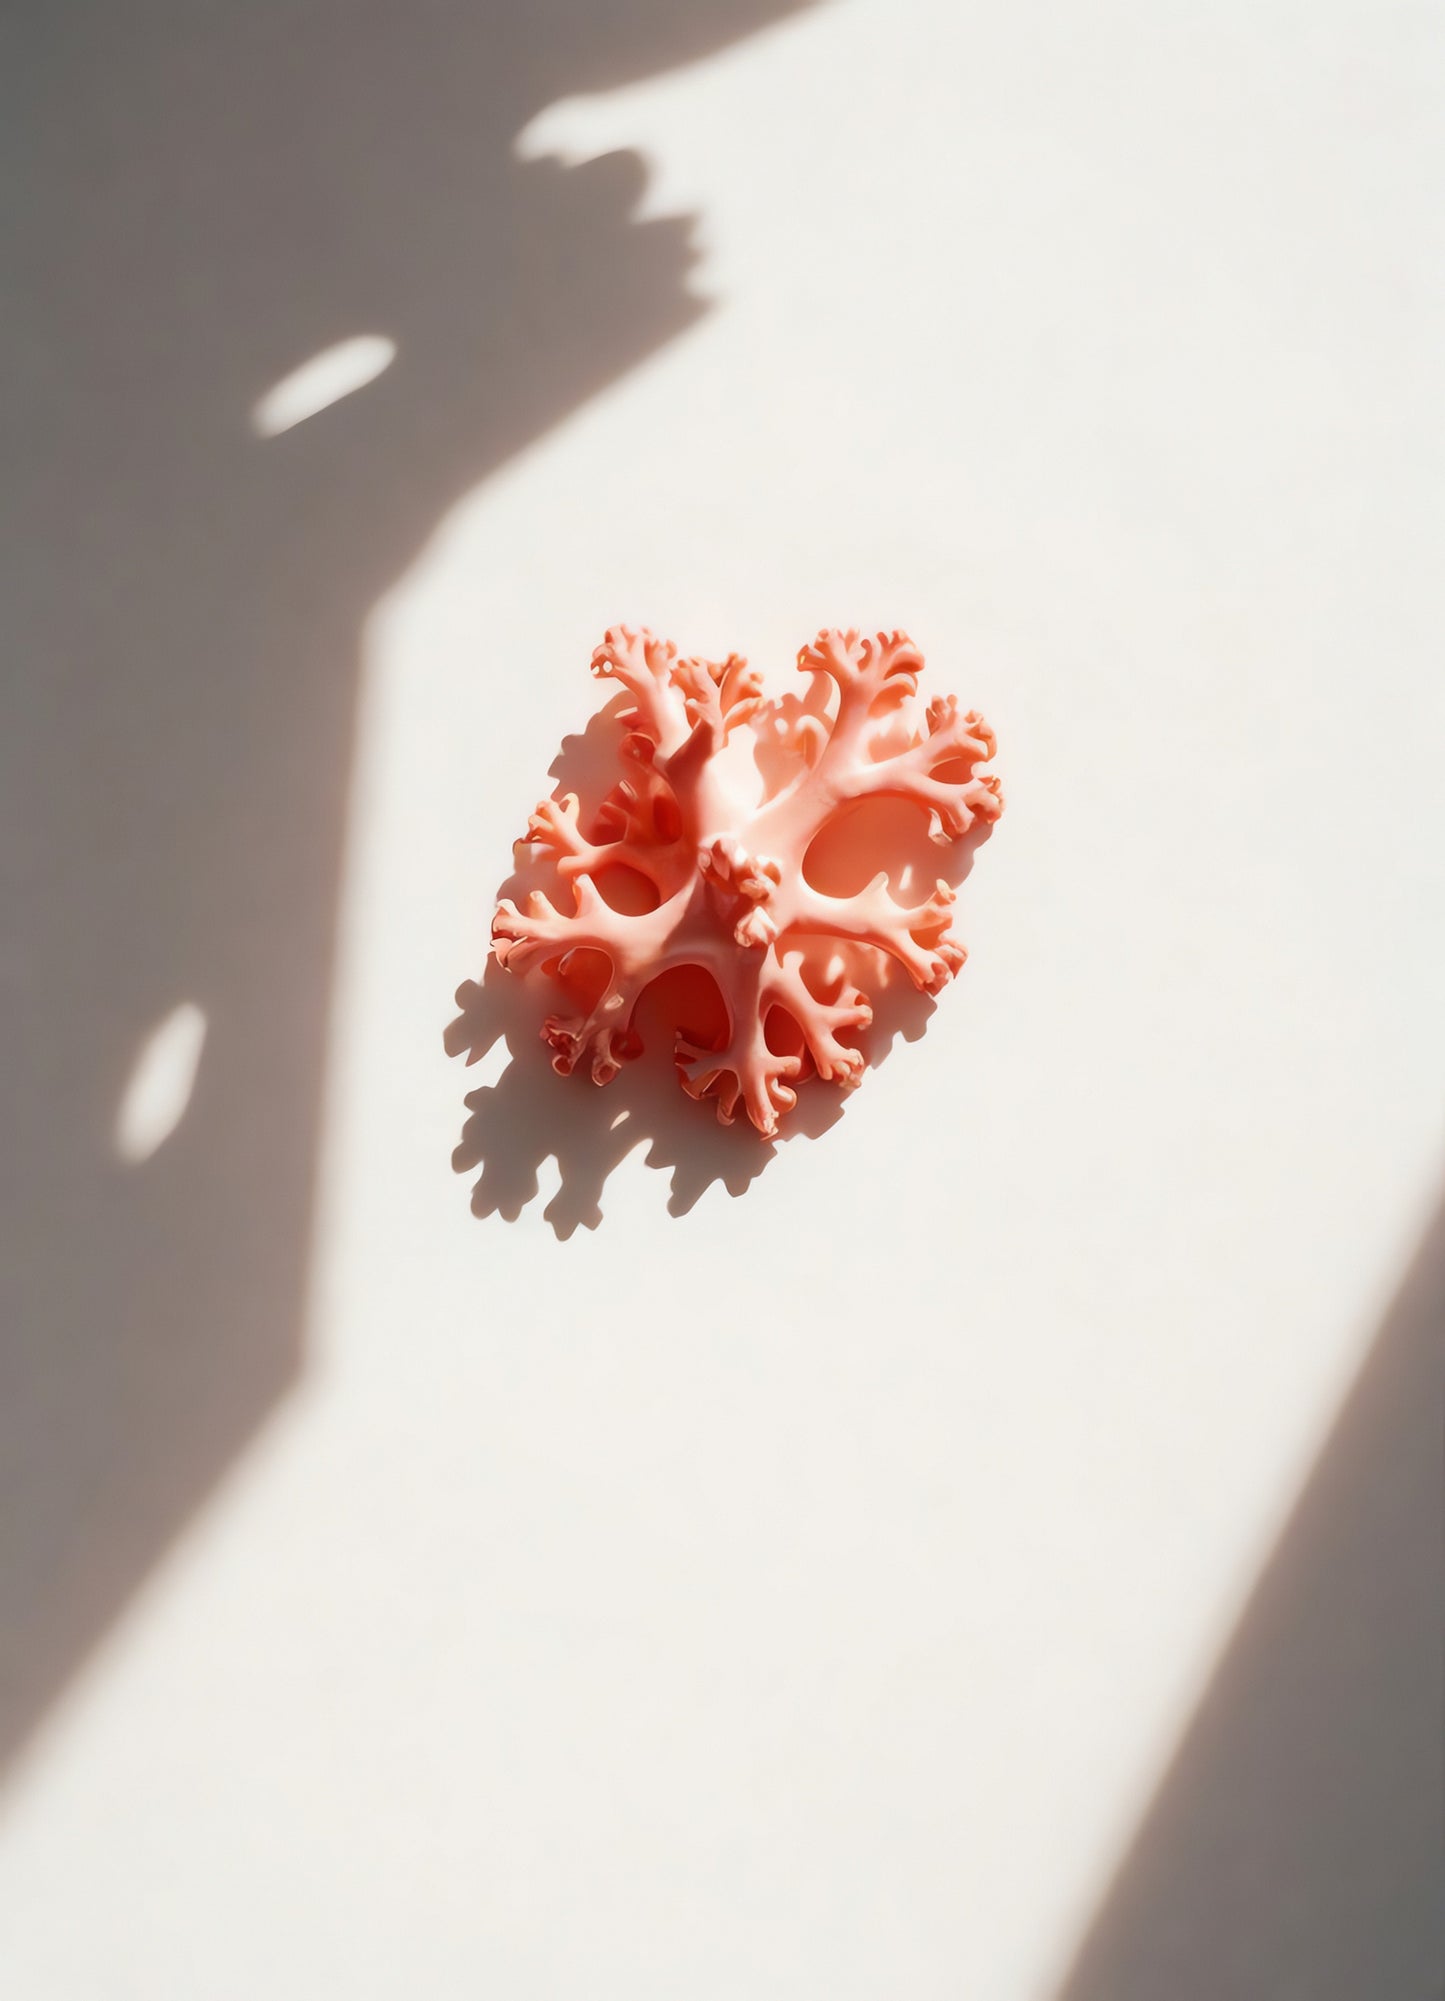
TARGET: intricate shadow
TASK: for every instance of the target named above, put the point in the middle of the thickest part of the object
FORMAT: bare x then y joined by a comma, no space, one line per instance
531,1115
199,199
1293,1851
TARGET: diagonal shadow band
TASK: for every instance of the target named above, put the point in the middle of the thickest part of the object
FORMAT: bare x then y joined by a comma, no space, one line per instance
1293,1850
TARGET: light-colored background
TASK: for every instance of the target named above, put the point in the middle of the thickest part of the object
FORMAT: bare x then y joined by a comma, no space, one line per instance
809,1595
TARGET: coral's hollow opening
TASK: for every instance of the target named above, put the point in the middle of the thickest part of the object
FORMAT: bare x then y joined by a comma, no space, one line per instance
626,890
584,975
782,1033
866,839
684,1002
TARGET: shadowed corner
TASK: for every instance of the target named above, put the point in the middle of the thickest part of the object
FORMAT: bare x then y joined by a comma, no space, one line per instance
283,294
531,1115
1293,1850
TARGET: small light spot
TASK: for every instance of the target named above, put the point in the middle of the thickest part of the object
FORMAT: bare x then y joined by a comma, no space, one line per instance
620,1120
161,1082
324,379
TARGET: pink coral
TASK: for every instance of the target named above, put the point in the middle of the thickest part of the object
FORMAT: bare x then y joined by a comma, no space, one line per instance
724,872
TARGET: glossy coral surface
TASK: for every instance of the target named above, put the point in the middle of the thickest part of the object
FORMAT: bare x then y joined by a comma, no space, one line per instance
717,845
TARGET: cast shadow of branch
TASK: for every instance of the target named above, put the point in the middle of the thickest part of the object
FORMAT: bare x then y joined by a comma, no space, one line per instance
531,1114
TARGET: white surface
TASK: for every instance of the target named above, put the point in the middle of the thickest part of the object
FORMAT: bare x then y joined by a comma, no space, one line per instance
799,1597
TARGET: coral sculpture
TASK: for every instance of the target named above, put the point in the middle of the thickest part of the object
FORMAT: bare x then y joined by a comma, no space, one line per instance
725,870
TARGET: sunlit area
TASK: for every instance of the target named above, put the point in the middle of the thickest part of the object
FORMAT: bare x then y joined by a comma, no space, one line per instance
323,380
159,1087
467,1529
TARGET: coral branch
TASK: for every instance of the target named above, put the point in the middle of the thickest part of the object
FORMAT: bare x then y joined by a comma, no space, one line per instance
603,1037
750,1075
554,828
868,672
820,1021
644,665
642,808
952,741
721,693
540,934
874,678
747,1071
916,937
553,825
